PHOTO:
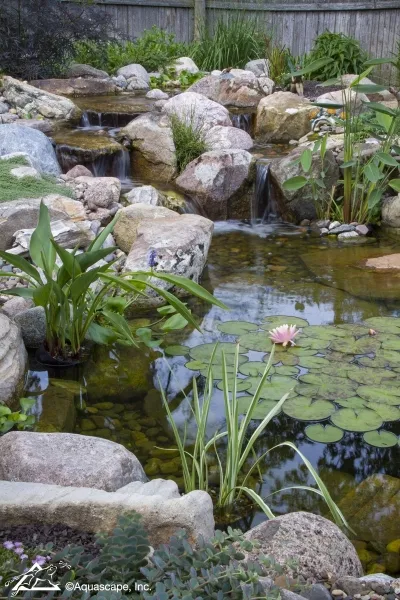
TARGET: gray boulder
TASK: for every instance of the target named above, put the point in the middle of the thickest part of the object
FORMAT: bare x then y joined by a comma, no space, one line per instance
15,305
215,178
226,138
197,110
67,459
317,545
65,232
260,67
97,192
85,71
282,117
146,194
4,108
181,245
130,217
134,70
32,323
184,63
14,138
30,99
13,360
391,211
238,88
157,95
76,86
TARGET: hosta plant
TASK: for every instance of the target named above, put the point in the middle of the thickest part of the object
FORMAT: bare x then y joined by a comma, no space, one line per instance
79,298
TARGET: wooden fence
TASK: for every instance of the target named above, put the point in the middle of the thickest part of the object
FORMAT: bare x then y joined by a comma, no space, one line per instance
294,23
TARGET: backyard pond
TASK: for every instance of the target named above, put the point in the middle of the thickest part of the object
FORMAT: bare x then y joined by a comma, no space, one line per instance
343,374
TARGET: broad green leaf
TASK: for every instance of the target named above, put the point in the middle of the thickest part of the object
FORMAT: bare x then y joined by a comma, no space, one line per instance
384,120
356,419
258,341
242,385
384,394
303,408
326,386
41,294
277,320
204,352
82,283
388,412
177,350
387,159
274,389
368,88
22,264
384,324
101,335
372,172
262,408
19,291
324,434
366,376
374,198
41,250
324,332
380,439
253,368
313,66
379,61
381,108
88,259
328,104
295,183
174,323
348,345
27,403
395,184
4,410
237,327
306,160
69,262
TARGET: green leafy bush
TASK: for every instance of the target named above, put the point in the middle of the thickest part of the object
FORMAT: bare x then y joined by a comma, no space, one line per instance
233,43
168,78
189,139
346,52
154,50
18,419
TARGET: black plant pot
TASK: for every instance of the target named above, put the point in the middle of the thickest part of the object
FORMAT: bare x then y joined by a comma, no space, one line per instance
44,357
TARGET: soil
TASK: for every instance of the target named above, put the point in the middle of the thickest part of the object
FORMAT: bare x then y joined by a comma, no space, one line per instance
313,89
36,536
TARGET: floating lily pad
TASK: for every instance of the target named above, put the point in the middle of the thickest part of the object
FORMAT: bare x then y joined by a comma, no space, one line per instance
177,350
313,362
259,342
356,419
273,389
368,376
203,352
217,370
386,324
242,385
391,344
353,402
349,345
386,411
385,358
335,369
325,434
384,394
287,359
354,329
324,332
339,356
260,411
330,387
275,321
307,409
237,327
311,343
254,368
286,371
380,439
196,365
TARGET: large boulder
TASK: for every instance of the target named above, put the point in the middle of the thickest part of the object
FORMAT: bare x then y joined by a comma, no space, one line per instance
215,178
197,110
347,96
184,63
76,86
23,214
296,205
32,323
66,234
30,99
391,212
180,245
136,76
226,138
130,217
260,67
238,88
150,137
282,117
85,71
13,360
14,138
318,547
67,459
146,194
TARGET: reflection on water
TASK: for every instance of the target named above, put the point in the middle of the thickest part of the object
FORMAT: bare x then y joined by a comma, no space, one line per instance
257,271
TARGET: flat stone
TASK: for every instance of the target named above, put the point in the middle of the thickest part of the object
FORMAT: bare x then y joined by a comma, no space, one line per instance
168,489
334,225
348,235
316,591
21,172
362,229
340,229
390,262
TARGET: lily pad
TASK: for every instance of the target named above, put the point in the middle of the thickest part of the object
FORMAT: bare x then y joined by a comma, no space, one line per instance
286,371
311,343
242,385
386,411
353,402
384,394
330,387
335,369
386,324
260,411
203,352
354,329
391,344
380,439
177,350
273,389
254,368
196,365
275,321
356,419
385,358
313,362
325,434
237,327
324,332
258,341
349,345
307,409
217,370
368,376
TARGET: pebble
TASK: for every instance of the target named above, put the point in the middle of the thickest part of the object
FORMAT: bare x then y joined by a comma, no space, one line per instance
340,229
333,225
338,593
348,235
362,229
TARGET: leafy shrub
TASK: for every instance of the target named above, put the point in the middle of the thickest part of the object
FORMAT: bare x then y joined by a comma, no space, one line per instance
19,419
346,52
233,44
168,79
189,140
154,50
37,36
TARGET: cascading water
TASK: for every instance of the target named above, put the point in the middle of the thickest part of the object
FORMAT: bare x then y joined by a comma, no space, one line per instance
91,119
242,121
264,207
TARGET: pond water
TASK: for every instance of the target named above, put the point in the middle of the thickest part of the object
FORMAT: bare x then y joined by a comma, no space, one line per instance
258,272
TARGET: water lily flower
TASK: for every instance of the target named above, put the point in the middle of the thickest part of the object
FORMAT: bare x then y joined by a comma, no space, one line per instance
372,332
284,334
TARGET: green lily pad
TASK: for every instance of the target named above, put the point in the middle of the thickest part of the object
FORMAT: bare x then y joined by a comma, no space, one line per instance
324,332
273,389
196,365
339,356
353,402
307,409
203,352
177,350
275,321
242,385
311,343
354,329
325,434
368,376
258,341
383,394
330,387
356,419
385,324
217,370
261,409
313,362
349,345
254,368
237,327
385,358
380,439
391,344
335,369
386,411
286,370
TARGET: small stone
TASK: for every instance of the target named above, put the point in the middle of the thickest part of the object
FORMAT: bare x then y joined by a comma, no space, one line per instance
347,235
362,229
338,593
340,229
324,231
323,223
87,425
334,224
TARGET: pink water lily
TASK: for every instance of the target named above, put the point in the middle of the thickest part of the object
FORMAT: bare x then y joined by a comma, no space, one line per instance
284,334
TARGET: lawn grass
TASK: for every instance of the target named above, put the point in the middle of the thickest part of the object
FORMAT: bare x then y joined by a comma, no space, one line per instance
12,188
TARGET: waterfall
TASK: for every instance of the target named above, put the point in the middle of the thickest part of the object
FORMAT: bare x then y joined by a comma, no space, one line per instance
85,119
242,121
264,206
92,119
122,166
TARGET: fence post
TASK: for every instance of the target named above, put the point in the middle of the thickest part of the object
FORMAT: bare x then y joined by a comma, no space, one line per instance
199,18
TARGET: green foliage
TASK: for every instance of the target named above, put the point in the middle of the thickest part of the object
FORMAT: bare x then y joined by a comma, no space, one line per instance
346,54
279,60
189,139
154,50
78,296
234,42
12,188
168,79
18,419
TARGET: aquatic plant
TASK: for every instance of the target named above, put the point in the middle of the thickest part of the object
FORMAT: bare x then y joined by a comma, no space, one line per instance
189,138
19,419
284,334
278,58
238,442
78,297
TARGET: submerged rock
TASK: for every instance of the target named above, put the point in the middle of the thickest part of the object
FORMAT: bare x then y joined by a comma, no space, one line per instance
13,360
282,117
35,144
67,459
317,545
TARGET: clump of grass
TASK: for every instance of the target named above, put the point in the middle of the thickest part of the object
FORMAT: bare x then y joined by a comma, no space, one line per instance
12,188
189,139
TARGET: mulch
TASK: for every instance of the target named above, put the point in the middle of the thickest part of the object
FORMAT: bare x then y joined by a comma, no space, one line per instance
36,536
